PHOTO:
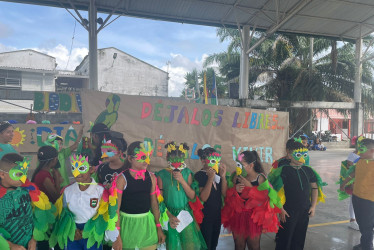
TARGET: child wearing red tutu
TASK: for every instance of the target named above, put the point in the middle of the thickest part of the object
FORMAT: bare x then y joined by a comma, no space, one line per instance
251,206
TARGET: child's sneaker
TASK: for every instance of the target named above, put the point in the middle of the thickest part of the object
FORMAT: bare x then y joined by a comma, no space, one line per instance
353,225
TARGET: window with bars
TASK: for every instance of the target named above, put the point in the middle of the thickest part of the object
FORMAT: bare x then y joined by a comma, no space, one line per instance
10,79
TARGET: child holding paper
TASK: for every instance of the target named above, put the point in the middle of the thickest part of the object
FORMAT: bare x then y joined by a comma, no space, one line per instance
213,186
175,184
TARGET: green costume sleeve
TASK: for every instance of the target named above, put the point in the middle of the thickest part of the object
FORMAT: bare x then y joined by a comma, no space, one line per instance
230,179
64,227
43,211
3,242
66,152
164,218
274,199
104,220
275,179
320,185
345,171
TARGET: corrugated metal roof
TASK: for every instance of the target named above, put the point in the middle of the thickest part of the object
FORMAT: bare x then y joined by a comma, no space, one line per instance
342,19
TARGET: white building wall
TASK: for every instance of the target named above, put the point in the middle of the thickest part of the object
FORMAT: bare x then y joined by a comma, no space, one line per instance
27,59
323,124
127,74
37,81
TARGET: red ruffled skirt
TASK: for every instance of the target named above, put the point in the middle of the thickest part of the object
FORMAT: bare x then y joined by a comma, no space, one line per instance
249,214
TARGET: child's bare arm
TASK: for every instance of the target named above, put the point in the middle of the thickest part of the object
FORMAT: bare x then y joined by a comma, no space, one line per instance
156,211
312,209
32,244
222,173
75,145
53,190
205,191
186,186
154,203
121,182
15,246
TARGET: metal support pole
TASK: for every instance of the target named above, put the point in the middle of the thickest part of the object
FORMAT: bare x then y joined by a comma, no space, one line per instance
244,65
357,115
92,38
311,53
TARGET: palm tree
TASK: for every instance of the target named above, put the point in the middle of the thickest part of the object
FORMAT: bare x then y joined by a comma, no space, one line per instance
220,82
281,64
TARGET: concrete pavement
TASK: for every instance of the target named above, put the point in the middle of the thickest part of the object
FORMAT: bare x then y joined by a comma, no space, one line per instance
328,230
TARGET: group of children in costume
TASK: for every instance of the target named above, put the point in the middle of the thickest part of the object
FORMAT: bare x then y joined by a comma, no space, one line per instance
120,204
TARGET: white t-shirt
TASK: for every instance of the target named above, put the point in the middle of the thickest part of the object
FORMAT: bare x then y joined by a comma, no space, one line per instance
352,157
83,204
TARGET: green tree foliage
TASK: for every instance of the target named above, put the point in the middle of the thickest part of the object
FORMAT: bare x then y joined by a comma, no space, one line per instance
280,70
220,82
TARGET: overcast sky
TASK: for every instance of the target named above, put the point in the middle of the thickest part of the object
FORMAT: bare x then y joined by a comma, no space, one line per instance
50,30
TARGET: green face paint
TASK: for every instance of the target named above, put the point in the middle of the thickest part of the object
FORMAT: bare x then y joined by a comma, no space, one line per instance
301,155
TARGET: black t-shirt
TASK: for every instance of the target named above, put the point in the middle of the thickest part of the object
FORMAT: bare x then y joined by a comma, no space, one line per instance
136,198
284,162
212,207
106,175
297,186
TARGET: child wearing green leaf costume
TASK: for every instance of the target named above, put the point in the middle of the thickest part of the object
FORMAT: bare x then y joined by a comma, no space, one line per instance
251,205
346,168
25,213
86,212
180,194
56,141
299,188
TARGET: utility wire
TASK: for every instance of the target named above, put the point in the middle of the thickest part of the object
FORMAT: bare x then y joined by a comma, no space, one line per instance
71,46
19,106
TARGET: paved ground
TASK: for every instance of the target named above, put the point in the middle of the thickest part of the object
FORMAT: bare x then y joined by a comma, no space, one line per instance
329,228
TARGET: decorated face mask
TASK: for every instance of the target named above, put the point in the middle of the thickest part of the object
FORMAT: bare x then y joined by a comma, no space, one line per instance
19,172
175,161
301,155
143,153
213,160
79,165
361,148
240,170
52,140
237,157
108,149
